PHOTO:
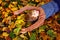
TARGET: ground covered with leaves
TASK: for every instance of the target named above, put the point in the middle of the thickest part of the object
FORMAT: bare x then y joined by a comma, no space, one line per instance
10,25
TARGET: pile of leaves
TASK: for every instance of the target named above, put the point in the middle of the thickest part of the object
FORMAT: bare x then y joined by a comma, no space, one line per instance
10,25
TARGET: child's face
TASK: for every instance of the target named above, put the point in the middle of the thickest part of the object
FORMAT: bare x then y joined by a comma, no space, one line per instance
33,15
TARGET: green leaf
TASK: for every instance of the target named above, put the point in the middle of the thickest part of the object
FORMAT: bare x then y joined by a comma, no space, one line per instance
28,24
19,2
6,5
12,35
18,25
42,28
18,38
33,36
51,33
17,30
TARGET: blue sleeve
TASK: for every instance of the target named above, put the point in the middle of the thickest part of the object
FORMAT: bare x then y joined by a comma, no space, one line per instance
50,8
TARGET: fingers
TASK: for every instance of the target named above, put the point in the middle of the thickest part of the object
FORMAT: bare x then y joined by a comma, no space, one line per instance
16,12
24,30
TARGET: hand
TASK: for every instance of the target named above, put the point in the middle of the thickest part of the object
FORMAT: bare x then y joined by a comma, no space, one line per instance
40,20
24,30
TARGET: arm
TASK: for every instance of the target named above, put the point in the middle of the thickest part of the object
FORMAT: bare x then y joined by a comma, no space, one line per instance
50,8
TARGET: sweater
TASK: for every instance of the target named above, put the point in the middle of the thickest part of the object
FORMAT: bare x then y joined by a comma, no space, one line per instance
51,8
